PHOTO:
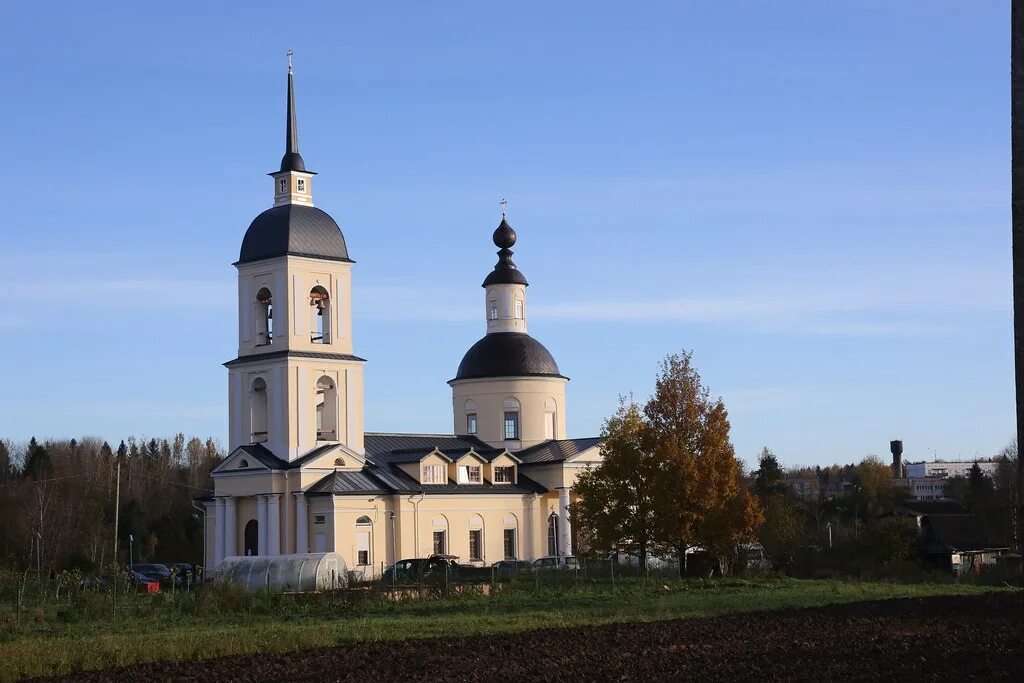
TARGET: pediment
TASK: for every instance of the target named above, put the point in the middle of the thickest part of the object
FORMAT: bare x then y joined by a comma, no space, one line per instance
329,458
240,461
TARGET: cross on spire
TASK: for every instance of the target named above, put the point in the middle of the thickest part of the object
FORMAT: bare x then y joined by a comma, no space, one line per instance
504,208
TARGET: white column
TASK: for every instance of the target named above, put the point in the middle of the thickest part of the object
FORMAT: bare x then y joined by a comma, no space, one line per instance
564,529
273,524
261,522
301,524
218,536
230,527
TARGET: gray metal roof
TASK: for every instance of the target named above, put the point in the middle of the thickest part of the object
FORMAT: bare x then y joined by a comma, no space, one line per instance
286,353
556,450
341,482
293,230
384,443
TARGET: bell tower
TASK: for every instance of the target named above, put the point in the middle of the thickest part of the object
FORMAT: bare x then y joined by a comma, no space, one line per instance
295,383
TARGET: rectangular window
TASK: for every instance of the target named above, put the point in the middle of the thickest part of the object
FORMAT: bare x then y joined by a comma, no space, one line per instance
439,544
549,425
319,519
474,474
511,425
510,544
434,474
475,549
519,309
364,557
302,185
471,423
504,475
494,310
282,185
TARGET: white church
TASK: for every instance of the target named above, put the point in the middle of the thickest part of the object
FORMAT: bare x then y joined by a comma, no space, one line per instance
302,475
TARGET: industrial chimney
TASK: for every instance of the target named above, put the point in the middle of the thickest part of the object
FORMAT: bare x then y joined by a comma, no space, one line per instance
896,448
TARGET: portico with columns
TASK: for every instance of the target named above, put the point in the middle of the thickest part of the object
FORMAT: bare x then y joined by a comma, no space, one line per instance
302,475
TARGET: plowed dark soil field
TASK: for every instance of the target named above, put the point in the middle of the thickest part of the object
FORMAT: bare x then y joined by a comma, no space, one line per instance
922,639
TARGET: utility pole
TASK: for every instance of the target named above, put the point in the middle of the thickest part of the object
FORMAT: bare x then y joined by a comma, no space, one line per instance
1017,231
117,507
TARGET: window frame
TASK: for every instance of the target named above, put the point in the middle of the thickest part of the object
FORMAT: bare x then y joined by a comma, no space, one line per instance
520,310
443,534
476,537
513,422
507,535
472,423
435,472
509,469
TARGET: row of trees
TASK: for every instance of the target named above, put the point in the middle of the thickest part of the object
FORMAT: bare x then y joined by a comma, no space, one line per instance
669,480
57,500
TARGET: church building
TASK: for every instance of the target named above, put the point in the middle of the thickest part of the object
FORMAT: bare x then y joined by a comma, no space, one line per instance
302,475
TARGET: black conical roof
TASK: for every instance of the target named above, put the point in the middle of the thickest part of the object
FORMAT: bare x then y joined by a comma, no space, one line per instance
292,160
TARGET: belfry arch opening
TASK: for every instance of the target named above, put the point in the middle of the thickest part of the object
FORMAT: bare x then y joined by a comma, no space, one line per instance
264,317
326,409
258,411
319,316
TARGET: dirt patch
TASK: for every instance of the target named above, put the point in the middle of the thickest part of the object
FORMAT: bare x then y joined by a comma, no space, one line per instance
917,639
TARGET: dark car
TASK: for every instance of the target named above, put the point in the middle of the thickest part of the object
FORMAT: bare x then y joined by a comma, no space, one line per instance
507,567
160,573
418,569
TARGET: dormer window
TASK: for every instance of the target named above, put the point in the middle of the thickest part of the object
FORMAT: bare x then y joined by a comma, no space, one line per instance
469,474
302,184
504,475
434,474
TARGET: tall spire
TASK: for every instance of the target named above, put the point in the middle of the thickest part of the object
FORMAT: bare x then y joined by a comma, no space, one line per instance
292,160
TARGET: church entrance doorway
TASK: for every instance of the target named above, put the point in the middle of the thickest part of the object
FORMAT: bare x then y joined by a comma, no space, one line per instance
252,535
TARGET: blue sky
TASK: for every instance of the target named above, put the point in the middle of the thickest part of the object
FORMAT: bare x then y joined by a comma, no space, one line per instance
813,197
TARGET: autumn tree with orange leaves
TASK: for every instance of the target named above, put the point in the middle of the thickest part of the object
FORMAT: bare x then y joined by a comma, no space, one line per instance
669,479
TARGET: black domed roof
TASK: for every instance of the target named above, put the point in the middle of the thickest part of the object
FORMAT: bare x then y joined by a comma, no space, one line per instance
507,354
293,230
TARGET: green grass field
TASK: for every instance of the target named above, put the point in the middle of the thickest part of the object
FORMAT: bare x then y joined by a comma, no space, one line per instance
53,640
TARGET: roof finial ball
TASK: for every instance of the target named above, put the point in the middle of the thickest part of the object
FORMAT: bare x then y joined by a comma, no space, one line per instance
504,237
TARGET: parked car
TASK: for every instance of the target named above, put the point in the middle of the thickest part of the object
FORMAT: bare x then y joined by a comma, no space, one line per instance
508,567
160,573
417,569
556,562
145,583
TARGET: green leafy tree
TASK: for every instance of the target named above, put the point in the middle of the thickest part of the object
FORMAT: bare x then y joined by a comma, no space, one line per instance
768,478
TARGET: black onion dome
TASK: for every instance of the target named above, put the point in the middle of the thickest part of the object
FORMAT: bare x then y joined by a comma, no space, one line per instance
507,354
504,236
505,271
293,230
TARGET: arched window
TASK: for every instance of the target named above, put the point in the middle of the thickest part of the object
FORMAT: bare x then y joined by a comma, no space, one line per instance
264,317
319,316
258,410
471,421
553,534
326,410
243,463
476,538
509,541
511,419
338,462
364,541
550,419
252,536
